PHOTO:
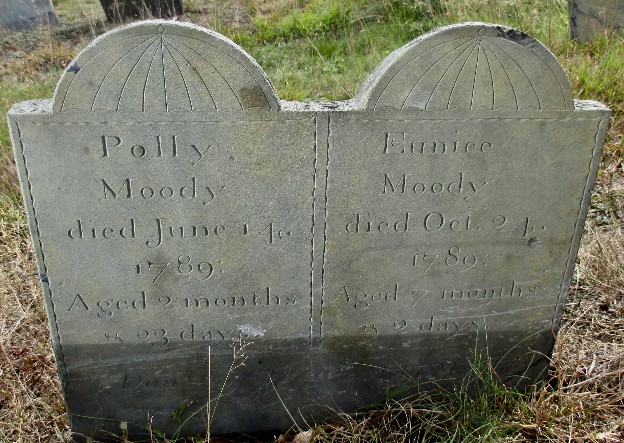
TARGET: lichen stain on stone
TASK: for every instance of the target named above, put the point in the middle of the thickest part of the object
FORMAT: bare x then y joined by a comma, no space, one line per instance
252,97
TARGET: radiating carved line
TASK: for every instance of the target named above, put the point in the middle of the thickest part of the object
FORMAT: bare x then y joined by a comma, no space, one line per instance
123,88
93,56
149,69
214,103
513,90
539,104
213,67
474,79
188,93
448,69
491,76
448,104
164,74
431,67
252,74
111,70
545,62
414,58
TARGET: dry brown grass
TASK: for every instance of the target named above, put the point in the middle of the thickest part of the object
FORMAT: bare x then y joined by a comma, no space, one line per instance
585,400
31,403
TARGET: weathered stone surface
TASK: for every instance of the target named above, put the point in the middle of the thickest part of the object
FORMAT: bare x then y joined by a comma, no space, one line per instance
24,14
119,10
590,17
180,212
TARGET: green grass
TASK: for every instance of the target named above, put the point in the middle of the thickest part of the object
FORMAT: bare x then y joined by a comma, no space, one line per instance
12,93
72,10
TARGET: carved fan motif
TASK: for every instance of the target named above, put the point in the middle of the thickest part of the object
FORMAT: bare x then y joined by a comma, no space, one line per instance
165,67
474,66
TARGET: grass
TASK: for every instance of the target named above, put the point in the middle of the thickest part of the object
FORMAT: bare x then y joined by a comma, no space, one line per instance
324,49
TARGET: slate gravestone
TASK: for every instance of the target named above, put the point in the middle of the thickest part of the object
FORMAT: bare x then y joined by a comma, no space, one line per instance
187,221
591,17
24,14
119,10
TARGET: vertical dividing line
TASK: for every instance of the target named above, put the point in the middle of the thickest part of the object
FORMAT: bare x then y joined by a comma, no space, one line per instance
325,225
313,230
209,417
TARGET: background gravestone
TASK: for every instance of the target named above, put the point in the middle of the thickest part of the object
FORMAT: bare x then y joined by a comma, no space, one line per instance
591,17
24,14
187,221
119,10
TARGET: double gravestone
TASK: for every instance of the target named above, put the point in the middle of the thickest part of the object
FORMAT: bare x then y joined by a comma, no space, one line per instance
186,221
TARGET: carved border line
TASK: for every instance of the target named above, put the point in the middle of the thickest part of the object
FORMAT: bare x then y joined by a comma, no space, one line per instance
575,240
61,361
418,117
329,131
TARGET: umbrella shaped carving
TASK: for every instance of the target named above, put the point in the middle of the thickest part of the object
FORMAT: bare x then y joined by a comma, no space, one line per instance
475,67
157,68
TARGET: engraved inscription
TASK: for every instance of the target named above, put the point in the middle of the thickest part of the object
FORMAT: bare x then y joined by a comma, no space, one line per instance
161,147
155,381
184,266
433,221
156,231
405,184
363,299
405,143
448,326
265,297
454,259
190,190
507,290
107,308
163,231
150,300
163,337
443,222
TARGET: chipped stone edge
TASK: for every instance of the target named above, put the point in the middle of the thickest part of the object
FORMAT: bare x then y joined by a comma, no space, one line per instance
590,105
40,106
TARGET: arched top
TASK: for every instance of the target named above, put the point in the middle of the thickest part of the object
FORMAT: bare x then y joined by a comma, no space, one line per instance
469,66
163,66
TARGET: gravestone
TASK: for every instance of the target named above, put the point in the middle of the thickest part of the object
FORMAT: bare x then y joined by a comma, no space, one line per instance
119,10
202,242
591,17
25,14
